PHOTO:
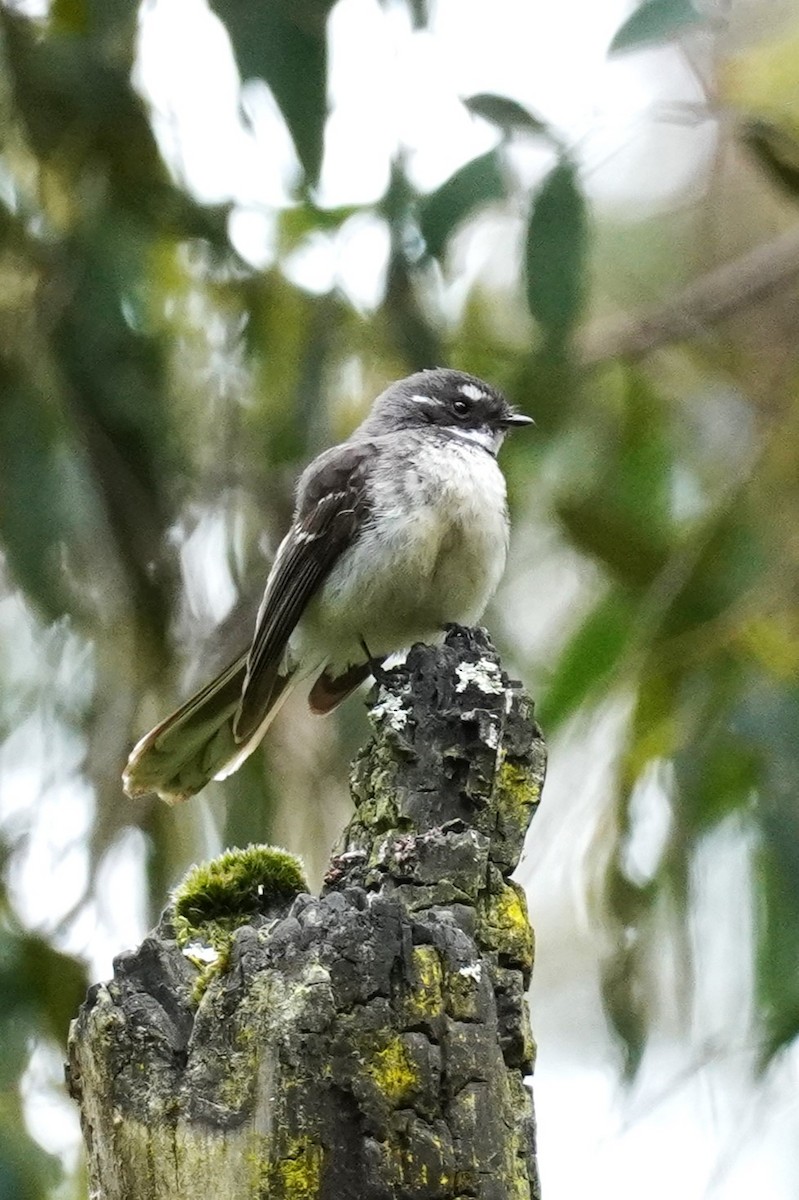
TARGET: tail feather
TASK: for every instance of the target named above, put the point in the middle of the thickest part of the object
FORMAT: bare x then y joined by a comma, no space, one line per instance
282,687
197,742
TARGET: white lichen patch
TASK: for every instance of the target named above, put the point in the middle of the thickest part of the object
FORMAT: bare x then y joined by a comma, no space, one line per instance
382,850
201,954
472,971
484,674
391,710
491,736
316,975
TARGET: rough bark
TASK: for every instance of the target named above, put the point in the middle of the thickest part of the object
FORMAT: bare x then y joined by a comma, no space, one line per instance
371,1043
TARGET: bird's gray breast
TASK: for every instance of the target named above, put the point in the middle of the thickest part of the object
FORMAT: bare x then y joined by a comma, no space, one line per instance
432,551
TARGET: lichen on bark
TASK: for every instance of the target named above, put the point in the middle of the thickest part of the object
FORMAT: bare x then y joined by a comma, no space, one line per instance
371,1043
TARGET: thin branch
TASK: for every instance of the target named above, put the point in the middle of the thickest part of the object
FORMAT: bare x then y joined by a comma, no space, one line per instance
720,293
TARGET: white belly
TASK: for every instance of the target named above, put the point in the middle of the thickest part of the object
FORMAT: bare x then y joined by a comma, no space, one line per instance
433,554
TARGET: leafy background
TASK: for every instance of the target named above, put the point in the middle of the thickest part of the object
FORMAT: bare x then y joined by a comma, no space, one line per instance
160,386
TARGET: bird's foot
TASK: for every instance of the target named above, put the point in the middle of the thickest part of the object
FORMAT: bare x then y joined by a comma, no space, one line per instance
375,664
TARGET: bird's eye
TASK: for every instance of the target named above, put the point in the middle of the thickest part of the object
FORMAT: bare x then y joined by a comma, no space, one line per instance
460,407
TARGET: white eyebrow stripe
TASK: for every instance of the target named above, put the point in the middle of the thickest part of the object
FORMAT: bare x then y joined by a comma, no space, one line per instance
472,392
423,399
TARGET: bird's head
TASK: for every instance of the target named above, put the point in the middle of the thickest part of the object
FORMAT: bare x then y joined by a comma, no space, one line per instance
446,399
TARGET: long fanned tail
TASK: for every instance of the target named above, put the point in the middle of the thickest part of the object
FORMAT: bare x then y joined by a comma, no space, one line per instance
197,742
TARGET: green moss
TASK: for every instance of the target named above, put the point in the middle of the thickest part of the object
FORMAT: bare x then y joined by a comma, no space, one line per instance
215,898
237,885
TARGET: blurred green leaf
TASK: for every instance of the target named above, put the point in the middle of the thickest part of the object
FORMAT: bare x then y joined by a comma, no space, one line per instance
654,21
36,504
69,16
25,1169
250,803
93,18
639,476
654,730
596,525
723,776
717,767
624,518
722,560
588,658
557,242
285,43
300,220
288,336
767,720
474,185
55,981
506,114
406,326
40,985
777,927
777,151
113,367
83,119
63,86
622,998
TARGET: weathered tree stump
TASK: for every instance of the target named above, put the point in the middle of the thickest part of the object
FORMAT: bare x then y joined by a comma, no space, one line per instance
368,1044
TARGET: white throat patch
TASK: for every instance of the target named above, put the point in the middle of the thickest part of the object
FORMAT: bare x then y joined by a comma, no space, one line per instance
489,439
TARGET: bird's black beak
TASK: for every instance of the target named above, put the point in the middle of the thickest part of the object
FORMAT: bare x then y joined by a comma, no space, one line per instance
515,420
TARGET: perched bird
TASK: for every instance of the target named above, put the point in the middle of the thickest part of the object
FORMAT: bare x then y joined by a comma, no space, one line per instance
397,532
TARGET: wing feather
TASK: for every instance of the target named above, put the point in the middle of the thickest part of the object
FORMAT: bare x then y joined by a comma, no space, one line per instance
332,505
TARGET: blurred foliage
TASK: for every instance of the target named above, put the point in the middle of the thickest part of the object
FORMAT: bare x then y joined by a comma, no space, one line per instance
653,22
285,43
158,395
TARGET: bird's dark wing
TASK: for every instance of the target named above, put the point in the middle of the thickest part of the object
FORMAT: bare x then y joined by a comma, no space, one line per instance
332,504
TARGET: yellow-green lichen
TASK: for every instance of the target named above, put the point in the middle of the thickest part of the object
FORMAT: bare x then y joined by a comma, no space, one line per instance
394,1072
504,925
463,992
295,1175
238,1082
516,791
417,1159
424,1001
378,811
529,1047
373,787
